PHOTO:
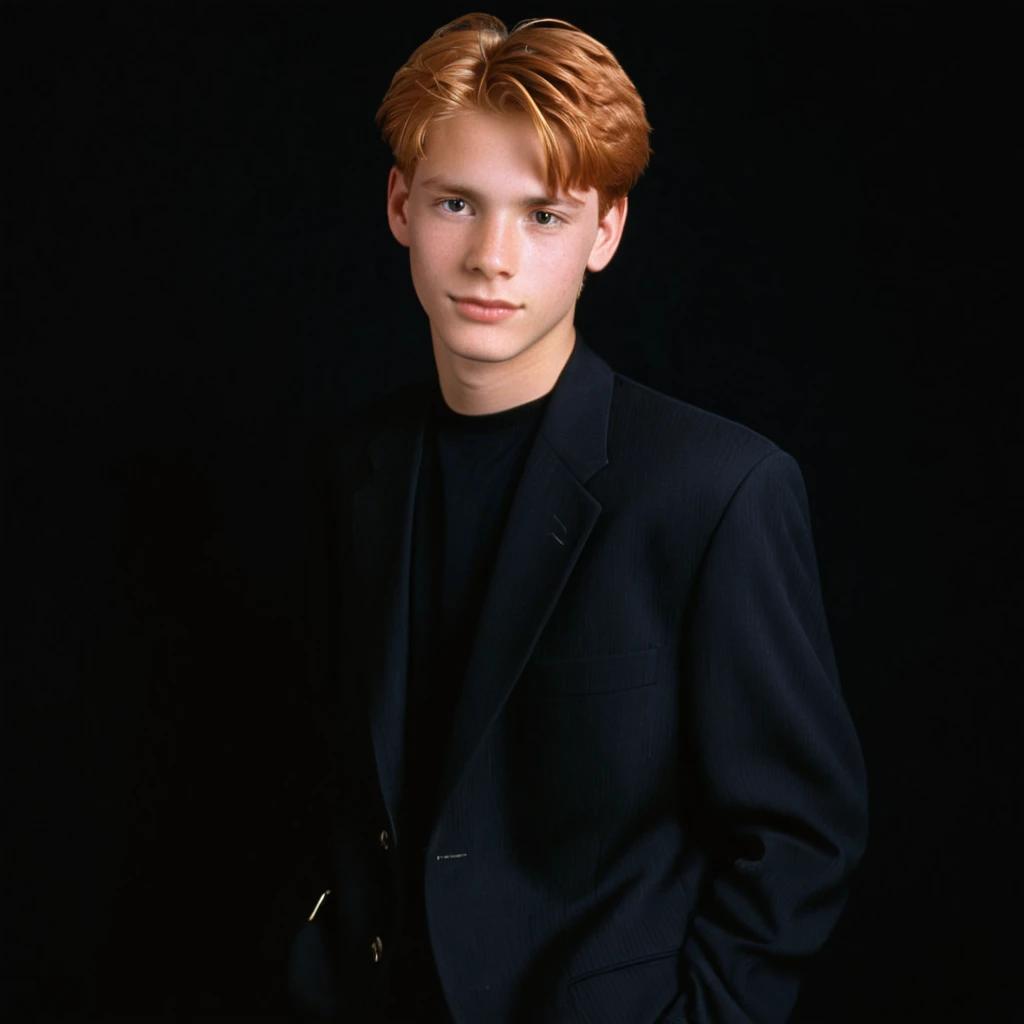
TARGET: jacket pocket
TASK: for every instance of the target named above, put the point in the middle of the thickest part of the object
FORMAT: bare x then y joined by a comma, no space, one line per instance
637,991
586,676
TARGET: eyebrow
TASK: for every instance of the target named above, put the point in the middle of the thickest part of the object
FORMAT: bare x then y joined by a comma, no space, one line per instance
441,184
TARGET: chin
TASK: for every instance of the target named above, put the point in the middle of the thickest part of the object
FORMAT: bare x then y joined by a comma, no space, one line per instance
490,346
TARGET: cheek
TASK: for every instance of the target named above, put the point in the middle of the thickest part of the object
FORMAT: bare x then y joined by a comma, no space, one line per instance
431,242
559,268
434,258
425,257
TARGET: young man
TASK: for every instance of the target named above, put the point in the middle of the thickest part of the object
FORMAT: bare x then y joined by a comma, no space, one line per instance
591,762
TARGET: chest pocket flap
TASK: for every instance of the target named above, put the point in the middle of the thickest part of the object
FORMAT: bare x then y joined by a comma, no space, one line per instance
611,673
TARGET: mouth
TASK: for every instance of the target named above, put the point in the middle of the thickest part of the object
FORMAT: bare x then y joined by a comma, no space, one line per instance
484,310
471,300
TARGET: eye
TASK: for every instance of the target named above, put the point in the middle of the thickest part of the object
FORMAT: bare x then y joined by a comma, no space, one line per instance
453,205
545,217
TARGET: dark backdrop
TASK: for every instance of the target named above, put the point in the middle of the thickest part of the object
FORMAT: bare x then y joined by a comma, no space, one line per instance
202,279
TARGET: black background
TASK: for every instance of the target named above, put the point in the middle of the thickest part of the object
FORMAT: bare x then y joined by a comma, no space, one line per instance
202,279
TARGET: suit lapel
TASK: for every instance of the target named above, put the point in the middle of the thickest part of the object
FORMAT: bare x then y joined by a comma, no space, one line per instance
551,518
382,517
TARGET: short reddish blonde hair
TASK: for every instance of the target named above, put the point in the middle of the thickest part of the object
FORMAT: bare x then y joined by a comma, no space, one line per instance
588,114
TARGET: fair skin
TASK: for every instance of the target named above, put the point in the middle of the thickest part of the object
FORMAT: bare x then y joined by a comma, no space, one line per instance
497,261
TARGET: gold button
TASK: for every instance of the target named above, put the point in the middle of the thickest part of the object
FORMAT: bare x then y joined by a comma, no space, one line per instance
378,949
385,840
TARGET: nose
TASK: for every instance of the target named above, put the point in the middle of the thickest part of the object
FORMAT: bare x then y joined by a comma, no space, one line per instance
495,247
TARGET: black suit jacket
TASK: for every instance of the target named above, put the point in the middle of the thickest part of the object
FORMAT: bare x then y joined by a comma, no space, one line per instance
654,794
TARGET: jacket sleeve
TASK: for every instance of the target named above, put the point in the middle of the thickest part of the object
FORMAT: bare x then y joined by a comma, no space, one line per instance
773,757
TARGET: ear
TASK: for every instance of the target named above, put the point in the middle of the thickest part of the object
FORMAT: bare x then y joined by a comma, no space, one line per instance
609,234
398,206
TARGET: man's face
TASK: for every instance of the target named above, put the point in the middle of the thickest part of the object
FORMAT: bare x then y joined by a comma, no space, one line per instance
497,261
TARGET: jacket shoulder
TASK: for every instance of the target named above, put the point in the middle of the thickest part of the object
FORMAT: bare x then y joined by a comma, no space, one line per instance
683,433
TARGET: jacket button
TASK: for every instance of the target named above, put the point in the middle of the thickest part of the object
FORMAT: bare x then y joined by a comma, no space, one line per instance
378,949
385,840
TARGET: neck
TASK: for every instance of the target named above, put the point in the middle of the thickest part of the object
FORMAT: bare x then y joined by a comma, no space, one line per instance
476,387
